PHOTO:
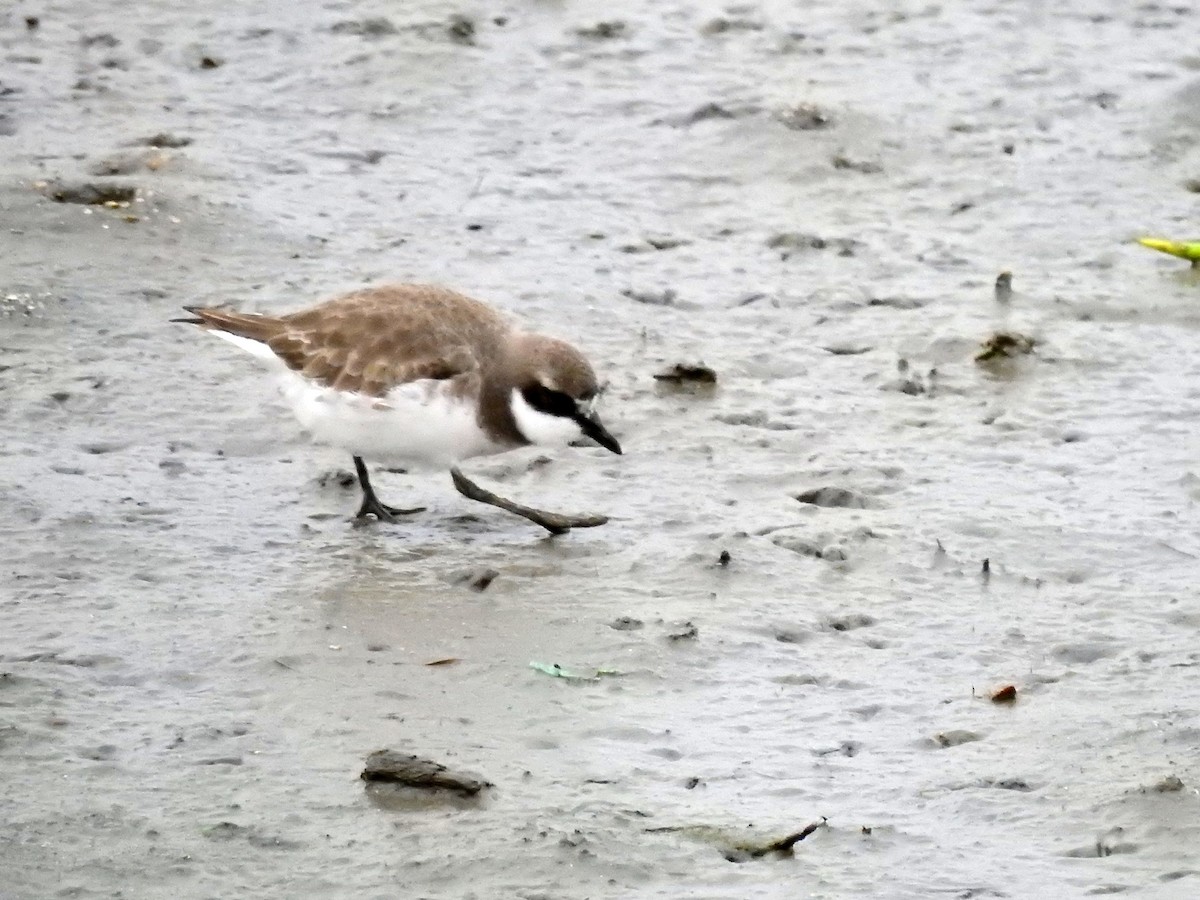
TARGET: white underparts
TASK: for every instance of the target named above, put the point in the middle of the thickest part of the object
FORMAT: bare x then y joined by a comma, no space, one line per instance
415,424
418,423
541,428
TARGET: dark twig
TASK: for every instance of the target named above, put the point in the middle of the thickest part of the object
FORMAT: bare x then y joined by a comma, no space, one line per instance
785,844
555,523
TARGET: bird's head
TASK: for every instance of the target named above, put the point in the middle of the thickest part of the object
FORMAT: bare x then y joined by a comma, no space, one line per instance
554,398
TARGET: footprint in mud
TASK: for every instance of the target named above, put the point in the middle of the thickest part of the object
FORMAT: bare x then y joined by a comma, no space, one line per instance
954,738
1084,653
228,831
849,622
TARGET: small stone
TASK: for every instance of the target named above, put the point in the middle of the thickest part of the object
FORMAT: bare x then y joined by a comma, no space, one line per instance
1006,694
412,771
1169,785
690,373
461,29
834,497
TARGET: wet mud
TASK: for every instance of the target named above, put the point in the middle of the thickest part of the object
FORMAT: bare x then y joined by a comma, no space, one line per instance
198,648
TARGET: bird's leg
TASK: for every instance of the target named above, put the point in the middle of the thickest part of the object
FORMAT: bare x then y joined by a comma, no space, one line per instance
371,506
555,523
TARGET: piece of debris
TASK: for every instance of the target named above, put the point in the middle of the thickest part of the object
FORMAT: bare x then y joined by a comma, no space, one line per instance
554,670
1003,290
834,497
1189,250
739,848
650,244
706,112
665,297
804,117
1005,345
848,349
687,373
163,139
444,661
342,478
687,632
412,771
478,580
625,623
90,193
211,62
1169,785
603,30
724,559
1006,694
900,302
841,161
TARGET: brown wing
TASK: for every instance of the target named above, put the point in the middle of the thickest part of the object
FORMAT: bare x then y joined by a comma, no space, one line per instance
371,341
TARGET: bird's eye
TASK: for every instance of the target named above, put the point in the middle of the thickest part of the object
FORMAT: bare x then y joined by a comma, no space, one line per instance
550,402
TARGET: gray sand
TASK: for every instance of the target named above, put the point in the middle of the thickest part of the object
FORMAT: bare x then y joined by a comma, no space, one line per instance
198,651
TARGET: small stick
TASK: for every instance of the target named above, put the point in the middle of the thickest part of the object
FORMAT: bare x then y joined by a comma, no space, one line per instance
555,523
784,845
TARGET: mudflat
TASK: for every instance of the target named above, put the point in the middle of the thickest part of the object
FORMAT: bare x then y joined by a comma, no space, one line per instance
771,674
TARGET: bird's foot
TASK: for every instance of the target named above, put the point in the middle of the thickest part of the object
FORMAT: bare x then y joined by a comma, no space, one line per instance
555,523
382,512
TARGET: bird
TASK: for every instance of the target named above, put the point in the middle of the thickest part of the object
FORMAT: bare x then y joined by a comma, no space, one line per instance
422,376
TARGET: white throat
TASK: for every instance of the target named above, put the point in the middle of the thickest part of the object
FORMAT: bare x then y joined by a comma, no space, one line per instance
539,428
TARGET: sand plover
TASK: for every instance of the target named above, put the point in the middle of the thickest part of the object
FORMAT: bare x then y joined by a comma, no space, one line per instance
421,375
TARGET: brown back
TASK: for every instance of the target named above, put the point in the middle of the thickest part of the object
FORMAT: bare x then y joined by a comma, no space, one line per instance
372,340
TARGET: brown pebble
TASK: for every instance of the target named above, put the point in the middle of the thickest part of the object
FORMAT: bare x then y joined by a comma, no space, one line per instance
1006,694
